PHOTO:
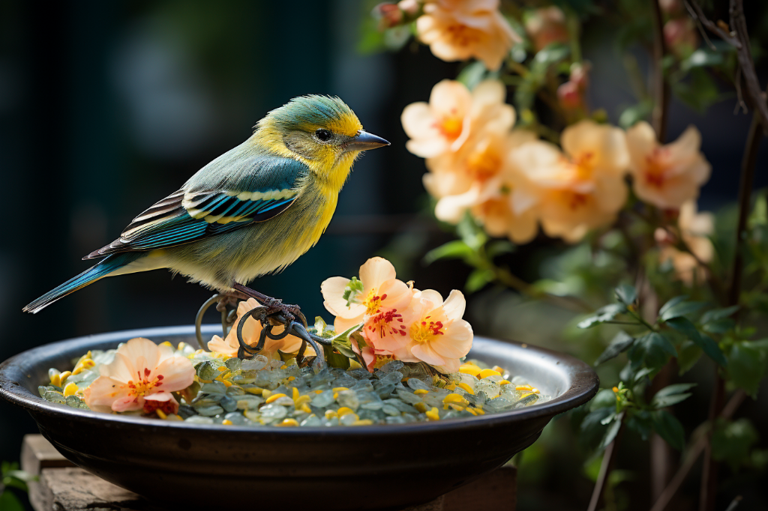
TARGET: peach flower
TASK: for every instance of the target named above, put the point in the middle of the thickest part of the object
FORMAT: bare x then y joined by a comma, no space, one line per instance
452,114
694,231
251,332
666,176
461,29
431,331
352,300
141,377
580,188
494,196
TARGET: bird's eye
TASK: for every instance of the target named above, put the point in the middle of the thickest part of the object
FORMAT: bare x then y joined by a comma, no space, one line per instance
323,135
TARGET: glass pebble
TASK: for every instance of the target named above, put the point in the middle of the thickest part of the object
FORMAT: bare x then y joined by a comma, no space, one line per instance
210,411
207,371
409,397
417,384
228,403
197,419
233,364
323,399
389,367
215,387
236,418
349,399
273,411
54,397
385,391
311,421
284,401
395,420
255,364
390,410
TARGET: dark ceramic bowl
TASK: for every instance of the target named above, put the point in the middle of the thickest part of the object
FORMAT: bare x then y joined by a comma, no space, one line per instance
368,467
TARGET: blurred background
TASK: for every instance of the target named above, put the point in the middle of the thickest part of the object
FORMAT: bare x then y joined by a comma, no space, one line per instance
106,107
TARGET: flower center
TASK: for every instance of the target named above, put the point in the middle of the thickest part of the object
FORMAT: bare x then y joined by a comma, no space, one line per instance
388,322
426,330
462,35
143,386
583,164
654,170
451,127
573,200
483,164
373,302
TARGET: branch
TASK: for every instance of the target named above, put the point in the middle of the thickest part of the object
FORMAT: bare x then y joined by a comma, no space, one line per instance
737,37
694,451
605,470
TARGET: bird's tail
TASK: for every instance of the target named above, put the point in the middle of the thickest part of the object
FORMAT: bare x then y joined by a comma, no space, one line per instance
102,269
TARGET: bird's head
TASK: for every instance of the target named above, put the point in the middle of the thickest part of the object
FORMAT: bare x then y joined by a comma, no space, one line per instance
322,131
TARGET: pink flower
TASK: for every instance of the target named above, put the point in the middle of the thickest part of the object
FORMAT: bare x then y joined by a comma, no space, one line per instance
461,29
251,332
377,289
141,377
435,332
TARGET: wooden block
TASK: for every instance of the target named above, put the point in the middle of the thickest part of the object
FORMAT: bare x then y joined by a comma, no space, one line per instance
74,489
497,491
435,505
37,453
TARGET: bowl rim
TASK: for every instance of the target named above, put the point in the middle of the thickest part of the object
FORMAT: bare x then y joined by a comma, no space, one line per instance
583,386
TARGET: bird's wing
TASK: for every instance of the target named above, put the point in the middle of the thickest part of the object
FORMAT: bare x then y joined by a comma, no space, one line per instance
255,194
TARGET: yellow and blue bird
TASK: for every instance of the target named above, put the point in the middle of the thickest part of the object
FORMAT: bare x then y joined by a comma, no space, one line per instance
252,211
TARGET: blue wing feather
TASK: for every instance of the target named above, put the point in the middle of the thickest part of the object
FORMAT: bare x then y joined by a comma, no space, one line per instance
201,209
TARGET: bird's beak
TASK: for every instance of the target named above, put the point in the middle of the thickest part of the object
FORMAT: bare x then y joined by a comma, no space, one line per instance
364,141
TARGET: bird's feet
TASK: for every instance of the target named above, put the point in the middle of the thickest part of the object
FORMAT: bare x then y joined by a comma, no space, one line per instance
275,305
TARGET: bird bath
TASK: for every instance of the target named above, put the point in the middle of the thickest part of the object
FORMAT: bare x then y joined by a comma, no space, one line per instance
369,467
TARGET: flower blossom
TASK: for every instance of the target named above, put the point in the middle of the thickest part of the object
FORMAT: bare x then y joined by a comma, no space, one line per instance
411,326
431,331
229,346
141,377
496,194
694,229
376,290
581,187
461,29
666,176
545,26
453,114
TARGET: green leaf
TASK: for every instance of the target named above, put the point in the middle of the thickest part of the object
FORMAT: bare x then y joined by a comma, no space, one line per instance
669,428
671,395
353,288
699,92
719,326
710,347
592,428
552,53
611,432
641,423
671,303
320,326
626,294
635,113
732,442
603,314
652,350
747,366
341,359
456,249
478,279
9,502
498,248
620,343
470,232
718,314
472,74
703,57
605,398
687,355
680,309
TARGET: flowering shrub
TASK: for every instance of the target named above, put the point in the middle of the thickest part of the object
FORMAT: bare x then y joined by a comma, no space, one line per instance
513,149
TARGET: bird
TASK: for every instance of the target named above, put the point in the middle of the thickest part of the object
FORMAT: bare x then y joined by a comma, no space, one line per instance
252,211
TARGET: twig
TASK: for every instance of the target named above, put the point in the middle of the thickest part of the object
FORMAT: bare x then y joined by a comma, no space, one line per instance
605,470
739,39
660,85
694,451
